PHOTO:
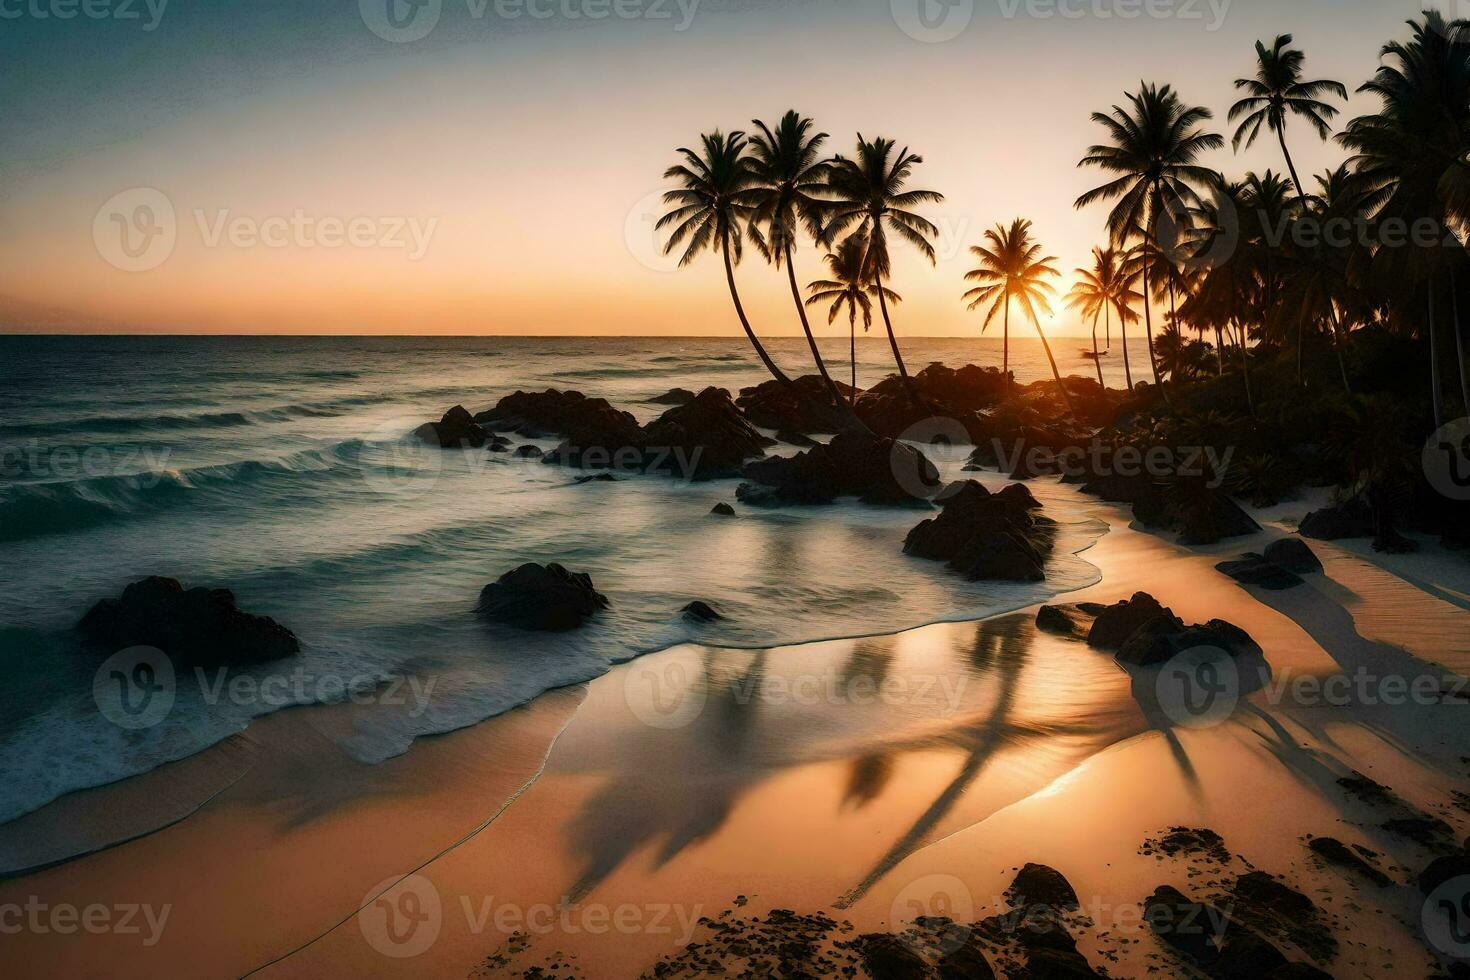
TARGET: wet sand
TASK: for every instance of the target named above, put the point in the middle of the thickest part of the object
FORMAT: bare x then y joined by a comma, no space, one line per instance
876,779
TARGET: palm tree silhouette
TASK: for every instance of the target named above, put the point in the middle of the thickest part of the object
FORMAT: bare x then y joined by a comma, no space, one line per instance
849,286
1152,156
867,201
1411,155
1097,292
1012,267
1278,91
788,175
709,212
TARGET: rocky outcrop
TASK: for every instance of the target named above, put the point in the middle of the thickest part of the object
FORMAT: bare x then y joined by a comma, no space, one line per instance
702,612
1253,569
1072,620
703,439
1116,623
1335,852
581,420
773,405
1040,883
541,597
674,396
986,536
1294,555
198,626
456,430
1160,640
1350,519
1207,935
722,509
855,463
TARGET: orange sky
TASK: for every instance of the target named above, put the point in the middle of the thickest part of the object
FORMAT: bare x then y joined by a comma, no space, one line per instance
528,164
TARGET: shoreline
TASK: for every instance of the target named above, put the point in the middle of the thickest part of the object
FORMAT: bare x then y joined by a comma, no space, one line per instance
807,752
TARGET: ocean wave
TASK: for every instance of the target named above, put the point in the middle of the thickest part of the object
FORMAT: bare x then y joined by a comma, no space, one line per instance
122,424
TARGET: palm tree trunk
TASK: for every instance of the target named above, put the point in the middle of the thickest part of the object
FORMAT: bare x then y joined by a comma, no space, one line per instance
1054,372
1301,192
1174,324
908,382
852,355
806,328
1337,343
776,372
1459,346
1148,324
1096,357
1005,356
1434,392
1123,332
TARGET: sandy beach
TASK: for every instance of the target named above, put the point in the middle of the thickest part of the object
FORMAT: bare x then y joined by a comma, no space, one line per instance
873,781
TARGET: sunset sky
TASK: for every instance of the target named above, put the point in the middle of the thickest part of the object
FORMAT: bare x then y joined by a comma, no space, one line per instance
499,175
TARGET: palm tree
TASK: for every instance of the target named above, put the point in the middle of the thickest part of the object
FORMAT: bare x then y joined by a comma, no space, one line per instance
849,286
1012,267
788,175
1097,292
1278,91
1152,157
1411,153
867,201
709,212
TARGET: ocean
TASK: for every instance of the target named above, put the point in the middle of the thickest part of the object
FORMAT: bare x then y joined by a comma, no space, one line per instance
280,468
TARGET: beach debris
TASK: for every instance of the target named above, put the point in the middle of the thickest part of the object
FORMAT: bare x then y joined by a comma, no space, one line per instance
198,626
984,535
701,611
541,597
722,509
674,396
876,470
1335,852
456,430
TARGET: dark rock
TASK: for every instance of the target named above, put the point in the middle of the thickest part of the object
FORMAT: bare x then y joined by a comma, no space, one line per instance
772,405
456,430
1244,955
985,536
529,451
1224,948
704,439
1294,555
1267,892
701,611
855,463
1056,964
1066,620
1161,639
888,957
541,597
1253,569
1200,515
1039,883
1391,542
1429,831
1441,870
596,435
1350,519
197,626
674,396
723,510
1115,624
498,444
795,439
1333,851
966,962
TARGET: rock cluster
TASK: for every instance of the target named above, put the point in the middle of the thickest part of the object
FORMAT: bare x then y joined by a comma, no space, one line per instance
986,536
198,626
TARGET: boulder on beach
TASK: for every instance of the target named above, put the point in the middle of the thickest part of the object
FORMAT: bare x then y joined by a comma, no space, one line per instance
773,405
456,430
1253,569
889,957
1039,883
722,509
674,396
705,438
1160,640
855,463
529,451
1351,518
1294,555
701,611
984,535
1116,623
1207,935
581,420
541,597
198,626
1335,852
